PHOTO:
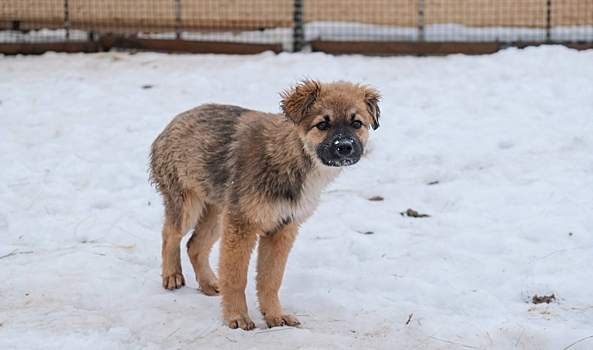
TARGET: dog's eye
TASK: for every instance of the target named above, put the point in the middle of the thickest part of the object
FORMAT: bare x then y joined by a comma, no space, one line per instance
356,124
322,126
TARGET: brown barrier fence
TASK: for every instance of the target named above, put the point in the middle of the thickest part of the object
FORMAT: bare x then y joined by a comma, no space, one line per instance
249,26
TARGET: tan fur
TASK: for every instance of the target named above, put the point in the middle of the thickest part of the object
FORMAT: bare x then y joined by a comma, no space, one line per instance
199,247
229,171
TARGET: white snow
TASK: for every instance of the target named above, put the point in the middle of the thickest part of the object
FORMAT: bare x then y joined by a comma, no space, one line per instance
507,137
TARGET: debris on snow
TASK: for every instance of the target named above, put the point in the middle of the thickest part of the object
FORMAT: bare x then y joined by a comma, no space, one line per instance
543,299
414,214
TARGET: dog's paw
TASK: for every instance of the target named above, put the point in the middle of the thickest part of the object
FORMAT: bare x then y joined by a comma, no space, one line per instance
243,322
210,289
282,320
173,281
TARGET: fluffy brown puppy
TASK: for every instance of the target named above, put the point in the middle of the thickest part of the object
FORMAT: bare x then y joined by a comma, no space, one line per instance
226,169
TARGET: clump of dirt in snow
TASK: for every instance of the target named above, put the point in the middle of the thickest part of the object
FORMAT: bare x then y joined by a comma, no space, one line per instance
543,299
414,214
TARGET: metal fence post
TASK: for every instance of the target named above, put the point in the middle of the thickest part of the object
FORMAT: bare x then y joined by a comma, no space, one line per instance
549,21
178,19
67,19
420,20
298,34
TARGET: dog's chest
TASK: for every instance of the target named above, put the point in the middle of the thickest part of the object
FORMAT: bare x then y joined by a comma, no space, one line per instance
300,210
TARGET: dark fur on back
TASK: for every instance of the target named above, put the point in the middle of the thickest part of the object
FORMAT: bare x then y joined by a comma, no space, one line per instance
201,135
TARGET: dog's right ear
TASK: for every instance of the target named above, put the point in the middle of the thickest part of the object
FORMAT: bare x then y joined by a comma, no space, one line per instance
297,101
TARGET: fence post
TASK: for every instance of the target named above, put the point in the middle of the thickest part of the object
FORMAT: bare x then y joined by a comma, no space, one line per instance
298,34
67,19
178,19
420,20
549,21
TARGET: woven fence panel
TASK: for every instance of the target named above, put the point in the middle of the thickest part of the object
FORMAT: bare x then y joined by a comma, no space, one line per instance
236,15
27,15
572,20
361,20
123,16
271,21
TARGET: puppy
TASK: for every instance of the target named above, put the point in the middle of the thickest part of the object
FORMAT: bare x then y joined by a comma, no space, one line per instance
228,170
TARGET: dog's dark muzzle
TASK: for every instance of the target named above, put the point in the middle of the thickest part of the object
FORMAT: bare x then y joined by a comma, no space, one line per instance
340,150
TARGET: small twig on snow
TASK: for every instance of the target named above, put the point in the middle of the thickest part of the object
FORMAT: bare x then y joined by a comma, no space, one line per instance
409,319
276,330
548,255
14,253
578,341
9,254
175,331
454,343
430,336
517,343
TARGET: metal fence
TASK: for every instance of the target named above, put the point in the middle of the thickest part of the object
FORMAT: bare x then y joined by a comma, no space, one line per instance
246,26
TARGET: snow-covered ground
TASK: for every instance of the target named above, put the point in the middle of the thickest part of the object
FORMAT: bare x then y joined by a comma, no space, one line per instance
496,149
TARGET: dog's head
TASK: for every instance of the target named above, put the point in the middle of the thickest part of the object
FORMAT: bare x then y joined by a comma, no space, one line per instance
333,119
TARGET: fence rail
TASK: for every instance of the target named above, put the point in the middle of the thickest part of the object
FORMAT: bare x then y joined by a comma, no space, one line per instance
247,26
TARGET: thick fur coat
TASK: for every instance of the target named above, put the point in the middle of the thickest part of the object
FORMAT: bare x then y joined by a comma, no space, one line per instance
241,173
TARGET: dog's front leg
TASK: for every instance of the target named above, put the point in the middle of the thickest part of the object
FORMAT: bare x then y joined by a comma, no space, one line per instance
272,255
236,246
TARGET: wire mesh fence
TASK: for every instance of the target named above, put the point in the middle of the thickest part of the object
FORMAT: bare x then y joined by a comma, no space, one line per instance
292,24
32,21
261,21
571,20
379,20
450,20
486,20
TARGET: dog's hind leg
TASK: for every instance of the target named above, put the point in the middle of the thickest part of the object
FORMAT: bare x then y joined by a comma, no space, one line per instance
272,256
200,244
181,214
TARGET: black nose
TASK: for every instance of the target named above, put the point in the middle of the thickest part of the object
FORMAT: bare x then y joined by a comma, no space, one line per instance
344,147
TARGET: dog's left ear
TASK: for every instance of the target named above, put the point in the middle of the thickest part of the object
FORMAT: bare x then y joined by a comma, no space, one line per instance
371,98
297,101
